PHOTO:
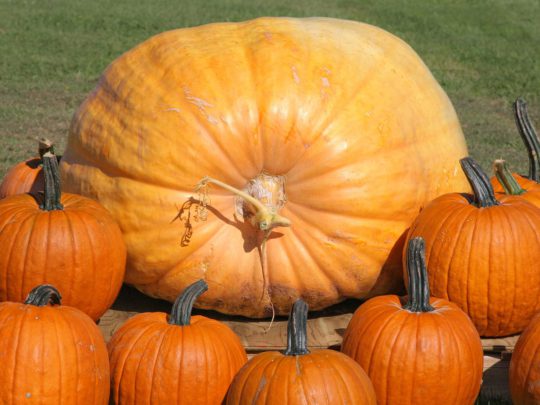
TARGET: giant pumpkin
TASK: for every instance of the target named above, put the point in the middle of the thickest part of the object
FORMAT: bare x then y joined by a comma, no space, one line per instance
313,144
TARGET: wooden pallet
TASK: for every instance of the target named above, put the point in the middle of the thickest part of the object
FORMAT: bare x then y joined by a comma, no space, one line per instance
325,330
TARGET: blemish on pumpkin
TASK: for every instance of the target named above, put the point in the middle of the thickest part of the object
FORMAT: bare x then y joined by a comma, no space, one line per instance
325,81
268,35
261,386
173,109
28,395
295,75
298,367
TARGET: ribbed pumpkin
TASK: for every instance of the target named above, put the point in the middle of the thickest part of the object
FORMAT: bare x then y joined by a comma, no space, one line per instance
532,145
177,359
483,254
525,366
336,127
417,349
51,354
27,176
62,239
298,376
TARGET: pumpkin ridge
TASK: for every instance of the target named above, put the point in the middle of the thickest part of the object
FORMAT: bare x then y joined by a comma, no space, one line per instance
152,368
404,320
459,241
25,250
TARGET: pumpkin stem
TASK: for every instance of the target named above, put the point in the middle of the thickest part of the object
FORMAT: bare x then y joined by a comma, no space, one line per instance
504,176
44,146
484,195
529,137
297,330
264,218
42,295
51,174
418,299
182,307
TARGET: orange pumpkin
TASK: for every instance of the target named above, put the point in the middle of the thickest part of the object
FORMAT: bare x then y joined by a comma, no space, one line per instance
68,240
27,176
525,366
51,354
483,254
317,141
322,377
418,349
532,144
178,359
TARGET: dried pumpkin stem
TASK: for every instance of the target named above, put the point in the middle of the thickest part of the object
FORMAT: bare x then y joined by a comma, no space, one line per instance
44,146
183,306
264,219
297,330
483,190
529,137
504,176
418,300
53,191
43,295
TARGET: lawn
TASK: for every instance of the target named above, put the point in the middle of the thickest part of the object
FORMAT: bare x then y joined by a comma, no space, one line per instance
483,53
53,52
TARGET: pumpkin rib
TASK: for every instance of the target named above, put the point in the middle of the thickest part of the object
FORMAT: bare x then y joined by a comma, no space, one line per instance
154,362
67,322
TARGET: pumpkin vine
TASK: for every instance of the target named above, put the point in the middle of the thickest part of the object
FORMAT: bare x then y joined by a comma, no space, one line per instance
484,196
418,299
183,306
529,137
43,295
297,330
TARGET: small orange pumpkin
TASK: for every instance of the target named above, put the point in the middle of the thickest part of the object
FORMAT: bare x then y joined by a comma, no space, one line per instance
322,377
483,254
417,349
51,354
532,144
525,366
177,359
27,176
68,240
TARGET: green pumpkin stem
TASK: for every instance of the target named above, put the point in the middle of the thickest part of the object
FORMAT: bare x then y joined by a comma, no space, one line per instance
53,191
484,195
418,299
529,137
504,176
42,295
297,330
183,306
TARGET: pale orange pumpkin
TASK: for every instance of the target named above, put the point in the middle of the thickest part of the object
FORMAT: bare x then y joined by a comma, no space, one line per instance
335,129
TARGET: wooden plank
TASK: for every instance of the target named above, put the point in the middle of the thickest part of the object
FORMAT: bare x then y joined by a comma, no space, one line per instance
325,328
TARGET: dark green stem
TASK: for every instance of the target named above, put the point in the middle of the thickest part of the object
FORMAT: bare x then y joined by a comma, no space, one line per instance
484,196
529,137
53,191
43,295
182,307
418,299
504,176
297,330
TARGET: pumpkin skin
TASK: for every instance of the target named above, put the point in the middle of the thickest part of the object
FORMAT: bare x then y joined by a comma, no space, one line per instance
51,354
27,176
295,377
317,115
74,244
408,346
193,359
525,366
483,254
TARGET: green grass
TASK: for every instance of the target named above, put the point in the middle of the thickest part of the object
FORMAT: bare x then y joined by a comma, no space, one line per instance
483,53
